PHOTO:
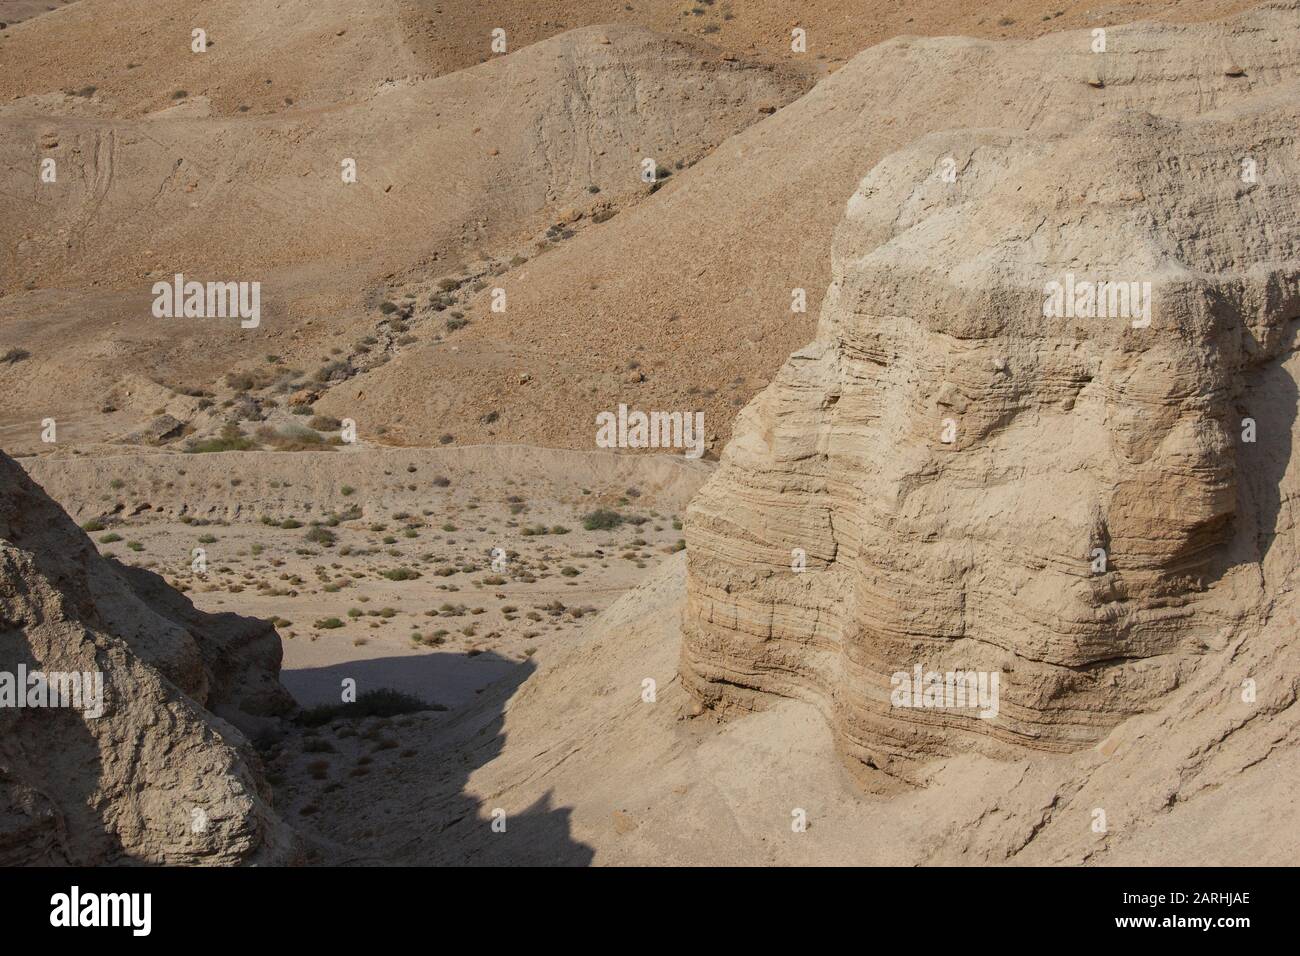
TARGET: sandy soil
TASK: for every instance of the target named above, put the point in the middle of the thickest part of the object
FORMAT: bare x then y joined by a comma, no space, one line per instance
432,572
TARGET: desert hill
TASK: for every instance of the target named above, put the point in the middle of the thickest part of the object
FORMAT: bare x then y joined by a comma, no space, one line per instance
452,170
689,294
469,175
299,55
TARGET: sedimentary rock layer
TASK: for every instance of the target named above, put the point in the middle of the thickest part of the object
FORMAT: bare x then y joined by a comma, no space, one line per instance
963,473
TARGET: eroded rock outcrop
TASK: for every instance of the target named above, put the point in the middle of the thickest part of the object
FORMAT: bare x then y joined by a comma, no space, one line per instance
157,768
1084,501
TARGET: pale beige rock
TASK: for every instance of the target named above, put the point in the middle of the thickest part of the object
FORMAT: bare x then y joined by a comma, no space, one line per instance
165,774
947,458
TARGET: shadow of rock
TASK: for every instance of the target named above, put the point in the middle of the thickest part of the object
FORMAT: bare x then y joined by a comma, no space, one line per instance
423,810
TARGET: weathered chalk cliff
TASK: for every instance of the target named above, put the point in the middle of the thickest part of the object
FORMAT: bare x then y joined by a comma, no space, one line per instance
158,769
963,473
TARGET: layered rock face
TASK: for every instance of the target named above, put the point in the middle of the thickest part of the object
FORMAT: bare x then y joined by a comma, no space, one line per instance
963,473
148,760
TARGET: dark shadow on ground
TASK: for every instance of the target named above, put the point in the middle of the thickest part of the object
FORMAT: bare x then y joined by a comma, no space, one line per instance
414,806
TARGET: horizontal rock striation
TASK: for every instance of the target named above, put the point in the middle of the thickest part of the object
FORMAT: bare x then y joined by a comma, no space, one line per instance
960,473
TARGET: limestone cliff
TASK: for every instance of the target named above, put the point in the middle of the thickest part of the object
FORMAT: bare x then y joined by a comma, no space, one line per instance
961,474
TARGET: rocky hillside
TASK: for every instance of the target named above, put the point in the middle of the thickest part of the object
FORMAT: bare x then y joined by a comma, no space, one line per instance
688,297
157,768
962,473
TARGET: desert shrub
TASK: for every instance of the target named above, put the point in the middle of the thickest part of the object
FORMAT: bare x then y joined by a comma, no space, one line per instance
230,439
293,438
602,519
110,538
329,623
384,702
401,574
326,372
322,536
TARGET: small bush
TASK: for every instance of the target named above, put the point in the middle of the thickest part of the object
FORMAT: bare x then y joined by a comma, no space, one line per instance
372,703
322,536
602,519
326,372
401,574
230,439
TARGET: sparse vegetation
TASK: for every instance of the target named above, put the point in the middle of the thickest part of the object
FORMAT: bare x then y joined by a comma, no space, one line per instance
230,439
602,519
322,536
372,703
